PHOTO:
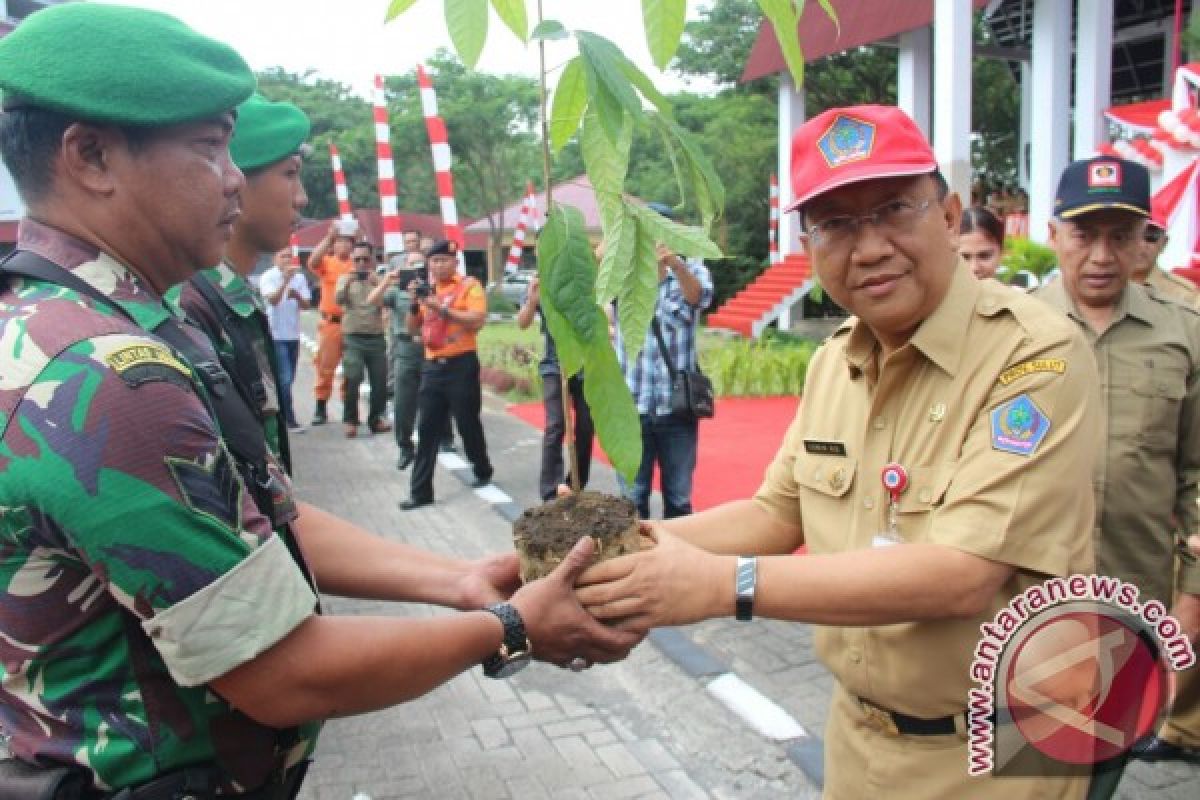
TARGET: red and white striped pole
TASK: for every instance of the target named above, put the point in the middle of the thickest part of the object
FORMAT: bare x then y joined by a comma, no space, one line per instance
439,142
393,238
518,243
773,232
339,184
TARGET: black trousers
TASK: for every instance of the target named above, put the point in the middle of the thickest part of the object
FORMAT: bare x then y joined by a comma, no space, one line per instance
449,388
556,428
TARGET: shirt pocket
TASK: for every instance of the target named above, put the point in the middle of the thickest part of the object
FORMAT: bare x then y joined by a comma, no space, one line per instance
1145,403
823,486
927,487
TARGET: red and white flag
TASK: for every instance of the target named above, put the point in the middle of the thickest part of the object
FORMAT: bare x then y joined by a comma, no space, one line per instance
440,144
773,230
339,184
518,244
389,211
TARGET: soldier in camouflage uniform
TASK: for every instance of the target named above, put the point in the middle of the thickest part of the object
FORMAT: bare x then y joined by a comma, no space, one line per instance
139,646
266,145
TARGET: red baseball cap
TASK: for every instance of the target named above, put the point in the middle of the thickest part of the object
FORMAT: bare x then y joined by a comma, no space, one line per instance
859,143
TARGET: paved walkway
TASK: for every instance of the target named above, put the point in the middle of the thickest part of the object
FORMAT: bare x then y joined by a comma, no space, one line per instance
720,709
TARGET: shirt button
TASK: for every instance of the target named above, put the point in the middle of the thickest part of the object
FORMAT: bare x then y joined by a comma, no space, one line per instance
880,423
855,656
868,502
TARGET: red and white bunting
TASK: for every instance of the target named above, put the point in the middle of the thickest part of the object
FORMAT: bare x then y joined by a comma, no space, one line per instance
518,244
773,231
339,184
389,210
440,144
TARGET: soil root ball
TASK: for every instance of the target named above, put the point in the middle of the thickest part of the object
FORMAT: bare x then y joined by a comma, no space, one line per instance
545,534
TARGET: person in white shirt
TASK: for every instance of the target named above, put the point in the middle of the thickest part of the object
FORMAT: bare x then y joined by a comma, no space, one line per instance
286,292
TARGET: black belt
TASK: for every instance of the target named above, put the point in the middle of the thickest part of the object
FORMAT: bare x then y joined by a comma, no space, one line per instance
441,361
896,723
336,319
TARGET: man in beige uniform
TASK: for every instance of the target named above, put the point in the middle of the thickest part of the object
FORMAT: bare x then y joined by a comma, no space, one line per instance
986,403
1146,270
1148,351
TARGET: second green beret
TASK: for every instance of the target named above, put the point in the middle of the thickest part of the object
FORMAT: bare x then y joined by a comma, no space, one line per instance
266,132
119,65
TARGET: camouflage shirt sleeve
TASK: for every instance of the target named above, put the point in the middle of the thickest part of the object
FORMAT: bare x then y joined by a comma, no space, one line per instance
117,460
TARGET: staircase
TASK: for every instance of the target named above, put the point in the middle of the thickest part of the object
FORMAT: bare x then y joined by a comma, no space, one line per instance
761,303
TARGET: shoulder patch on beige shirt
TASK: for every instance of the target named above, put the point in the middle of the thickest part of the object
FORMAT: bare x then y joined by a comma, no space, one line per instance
1017,371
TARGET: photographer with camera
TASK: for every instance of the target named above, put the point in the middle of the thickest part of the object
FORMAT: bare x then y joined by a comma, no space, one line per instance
360,293
407,353
447,314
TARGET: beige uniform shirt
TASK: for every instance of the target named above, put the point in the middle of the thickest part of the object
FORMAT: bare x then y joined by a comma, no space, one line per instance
359,316
1168,284
986,351
1147,475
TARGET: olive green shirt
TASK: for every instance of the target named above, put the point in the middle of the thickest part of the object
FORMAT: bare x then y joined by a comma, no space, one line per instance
359,316
1148,471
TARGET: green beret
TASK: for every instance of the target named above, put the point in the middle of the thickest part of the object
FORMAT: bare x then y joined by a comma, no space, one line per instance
119,65
266,132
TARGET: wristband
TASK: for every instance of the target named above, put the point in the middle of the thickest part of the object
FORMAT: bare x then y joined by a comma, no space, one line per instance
745,581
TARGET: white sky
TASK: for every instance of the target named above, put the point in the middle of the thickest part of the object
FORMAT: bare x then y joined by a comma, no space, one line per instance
346,40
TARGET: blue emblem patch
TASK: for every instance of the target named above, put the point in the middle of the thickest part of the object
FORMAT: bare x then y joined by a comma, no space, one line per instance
847,140
1018,426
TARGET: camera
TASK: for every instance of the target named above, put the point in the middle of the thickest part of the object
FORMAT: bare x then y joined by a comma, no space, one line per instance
421,289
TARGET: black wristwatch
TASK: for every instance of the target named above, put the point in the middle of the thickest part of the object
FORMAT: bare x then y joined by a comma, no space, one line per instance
515,651
744,583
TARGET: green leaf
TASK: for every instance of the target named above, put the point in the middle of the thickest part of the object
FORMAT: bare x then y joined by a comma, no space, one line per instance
467,21
637,295
611,402
605,60
664,21
512,14
685,240
673,156
396,8
785,20
571,350
647,88
620,237
705,183
608,108
549,30
570,100
568,269
606,162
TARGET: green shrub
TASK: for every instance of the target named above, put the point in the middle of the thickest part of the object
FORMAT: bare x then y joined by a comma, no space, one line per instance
773,365
504,346
1021,254
499,304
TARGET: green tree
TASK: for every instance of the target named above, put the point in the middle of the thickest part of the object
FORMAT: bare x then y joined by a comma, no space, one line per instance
718,44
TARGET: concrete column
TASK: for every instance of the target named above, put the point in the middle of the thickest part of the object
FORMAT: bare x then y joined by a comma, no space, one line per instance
1051,94
952,83
914,91
791,117
1093,74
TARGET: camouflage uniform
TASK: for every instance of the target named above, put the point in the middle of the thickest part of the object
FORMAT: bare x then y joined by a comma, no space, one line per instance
243,300
133,563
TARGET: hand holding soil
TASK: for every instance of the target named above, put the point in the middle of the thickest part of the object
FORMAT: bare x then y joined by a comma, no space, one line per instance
490,579
557,625
543,535
668,582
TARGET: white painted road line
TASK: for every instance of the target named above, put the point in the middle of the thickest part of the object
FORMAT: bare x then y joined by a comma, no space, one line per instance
493,494
759,711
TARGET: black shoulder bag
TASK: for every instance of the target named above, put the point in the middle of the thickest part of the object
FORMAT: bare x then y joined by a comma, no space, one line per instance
691,390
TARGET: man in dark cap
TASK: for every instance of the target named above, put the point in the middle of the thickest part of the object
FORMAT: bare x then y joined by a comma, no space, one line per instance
158,634
447,315
1147,476
937,468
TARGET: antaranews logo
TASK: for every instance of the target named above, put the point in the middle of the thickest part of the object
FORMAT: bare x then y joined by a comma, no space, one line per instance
1075,668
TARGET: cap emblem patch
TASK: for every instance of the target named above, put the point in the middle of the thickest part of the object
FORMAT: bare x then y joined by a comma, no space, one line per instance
1104,175
847,140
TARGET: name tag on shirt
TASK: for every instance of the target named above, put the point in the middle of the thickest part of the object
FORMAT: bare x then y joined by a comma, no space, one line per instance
822,447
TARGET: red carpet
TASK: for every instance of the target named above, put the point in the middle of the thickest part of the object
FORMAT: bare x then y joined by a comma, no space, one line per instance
736,445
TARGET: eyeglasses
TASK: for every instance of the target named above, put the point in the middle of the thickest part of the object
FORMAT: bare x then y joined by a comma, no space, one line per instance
362,259
1153,235
893,217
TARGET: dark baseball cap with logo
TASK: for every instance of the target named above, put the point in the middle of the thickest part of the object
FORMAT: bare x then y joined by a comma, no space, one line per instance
1103,182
